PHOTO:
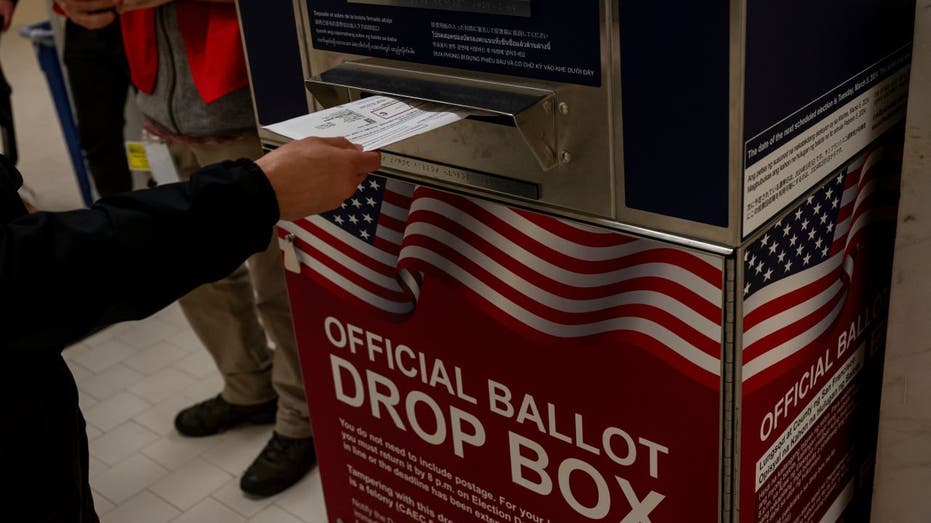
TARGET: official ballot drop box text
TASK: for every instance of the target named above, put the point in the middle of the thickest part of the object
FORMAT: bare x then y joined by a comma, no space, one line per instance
647,281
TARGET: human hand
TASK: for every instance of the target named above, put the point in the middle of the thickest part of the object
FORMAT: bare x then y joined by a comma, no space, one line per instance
316,175
92,14
6,11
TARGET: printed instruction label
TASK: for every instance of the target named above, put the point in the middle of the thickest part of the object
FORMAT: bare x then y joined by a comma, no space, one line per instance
791,157
780,450
526,38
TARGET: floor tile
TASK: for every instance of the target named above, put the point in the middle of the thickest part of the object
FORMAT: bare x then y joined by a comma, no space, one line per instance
199,364
120,328
190,484
93,432
144,334
155,358
121,442
86,401
174,315
274,514
73,351
209,511
101,504
144,508
233,497
205,388
110,381
305,499
128,478
79,372
100,357
239,449
187,340
96,467
162,385
160,418
109,413
99,337
173,450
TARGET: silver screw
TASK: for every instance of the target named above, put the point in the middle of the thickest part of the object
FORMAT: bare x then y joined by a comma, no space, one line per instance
565,157
563,108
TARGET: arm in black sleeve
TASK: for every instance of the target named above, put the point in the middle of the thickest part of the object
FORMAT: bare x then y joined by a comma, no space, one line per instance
65,275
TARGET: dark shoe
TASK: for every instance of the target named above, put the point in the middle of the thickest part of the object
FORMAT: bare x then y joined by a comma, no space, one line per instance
281,464
215,415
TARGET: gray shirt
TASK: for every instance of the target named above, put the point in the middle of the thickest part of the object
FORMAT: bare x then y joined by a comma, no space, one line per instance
175,105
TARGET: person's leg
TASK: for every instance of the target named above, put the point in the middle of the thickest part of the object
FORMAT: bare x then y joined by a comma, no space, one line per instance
99,80
268,280
290,453
271,303
223,316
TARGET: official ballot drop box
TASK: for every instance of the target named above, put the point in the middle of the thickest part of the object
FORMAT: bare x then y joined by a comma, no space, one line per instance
647,281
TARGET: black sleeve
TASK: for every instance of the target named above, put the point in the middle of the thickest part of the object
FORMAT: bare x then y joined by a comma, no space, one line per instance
66,275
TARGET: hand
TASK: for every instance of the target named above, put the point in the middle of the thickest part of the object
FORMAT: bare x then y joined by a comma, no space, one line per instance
316,175
92,14
6,11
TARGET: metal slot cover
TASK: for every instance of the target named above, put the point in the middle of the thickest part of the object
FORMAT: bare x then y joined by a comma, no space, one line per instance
528,109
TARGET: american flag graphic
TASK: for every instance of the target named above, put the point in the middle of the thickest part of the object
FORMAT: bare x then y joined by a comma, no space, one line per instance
355,248
798,273
545,275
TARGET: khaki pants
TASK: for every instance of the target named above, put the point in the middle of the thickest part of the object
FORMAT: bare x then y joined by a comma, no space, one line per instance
232,316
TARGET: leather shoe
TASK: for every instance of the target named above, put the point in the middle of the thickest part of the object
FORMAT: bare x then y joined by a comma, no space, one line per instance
281,464
215,415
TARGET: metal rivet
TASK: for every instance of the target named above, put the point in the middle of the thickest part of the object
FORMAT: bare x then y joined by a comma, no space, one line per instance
563,108
565,157
548,106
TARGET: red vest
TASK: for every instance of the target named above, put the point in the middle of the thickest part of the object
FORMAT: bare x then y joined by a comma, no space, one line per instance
211,38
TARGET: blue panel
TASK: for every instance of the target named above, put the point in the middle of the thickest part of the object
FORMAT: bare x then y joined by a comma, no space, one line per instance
799,50
674,77
274,59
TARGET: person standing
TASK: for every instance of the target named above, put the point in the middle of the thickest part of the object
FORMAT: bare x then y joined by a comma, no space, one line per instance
187,62
66,275
98,77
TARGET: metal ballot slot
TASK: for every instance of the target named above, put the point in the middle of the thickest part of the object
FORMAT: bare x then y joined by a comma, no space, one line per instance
534,78
527,109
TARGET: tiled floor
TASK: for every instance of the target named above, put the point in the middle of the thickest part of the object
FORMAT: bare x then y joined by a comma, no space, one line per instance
133,378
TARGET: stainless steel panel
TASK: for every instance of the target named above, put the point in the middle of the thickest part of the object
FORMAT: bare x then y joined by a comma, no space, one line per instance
528,109
579,179
731,390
